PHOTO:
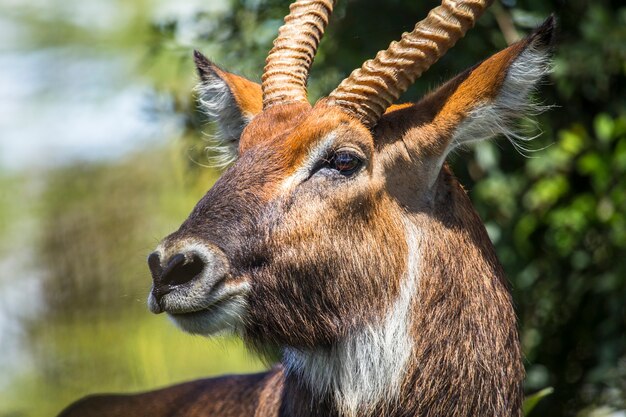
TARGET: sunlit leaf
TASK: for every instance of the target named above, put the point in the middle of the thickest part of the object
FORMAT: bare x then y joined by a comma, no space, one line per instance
532,400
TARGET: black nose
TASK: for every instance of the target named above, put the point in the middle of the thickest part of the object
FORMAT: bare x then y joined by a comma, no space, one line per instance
179,270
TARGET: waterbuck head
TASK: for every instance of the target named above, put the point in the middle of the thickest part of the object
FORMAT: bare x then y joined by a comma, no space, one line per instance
340,236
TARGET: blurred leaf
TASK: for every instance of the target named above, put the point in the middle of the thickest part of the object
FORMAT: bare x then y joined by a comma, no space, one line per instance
532,400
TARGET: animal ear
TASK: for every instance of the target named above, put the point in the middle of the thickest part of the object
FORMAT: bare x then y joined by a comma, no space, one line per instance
231,101
482,102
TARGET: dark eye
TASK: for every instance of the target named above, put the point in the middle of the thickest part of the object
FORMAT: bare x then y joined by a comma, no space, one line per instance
345,162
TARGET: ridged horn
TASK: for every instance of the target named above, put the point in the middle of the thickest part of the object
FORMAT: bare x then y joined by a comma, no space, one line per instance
288,63
371,89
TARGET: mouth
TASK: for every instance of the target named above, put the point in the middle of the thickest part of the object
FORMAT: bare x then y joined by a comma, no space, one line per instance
225,315
196,312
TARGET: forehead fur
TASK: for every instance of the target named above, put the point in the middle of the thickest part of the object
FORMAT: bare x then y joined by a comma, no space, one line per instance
292,130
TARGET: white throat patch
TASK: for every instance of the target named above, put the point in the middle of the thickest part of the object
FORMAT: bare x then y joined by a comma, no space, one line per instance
369,367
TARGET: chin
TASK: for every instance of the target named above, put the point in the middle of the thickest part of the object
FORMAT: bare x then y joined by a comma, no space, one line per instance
224,317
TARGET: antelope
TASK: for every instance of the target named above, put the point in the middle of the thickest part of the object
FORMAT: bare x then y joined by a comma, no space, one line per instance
340,238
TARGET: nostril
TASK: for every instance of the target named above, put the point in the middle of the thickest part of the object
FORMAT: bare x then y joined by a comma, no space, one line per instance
181,269
154,263
175,262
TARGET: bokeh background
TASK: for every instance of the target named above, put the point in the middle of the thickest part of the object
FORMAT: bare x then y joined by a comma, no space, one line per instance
101,155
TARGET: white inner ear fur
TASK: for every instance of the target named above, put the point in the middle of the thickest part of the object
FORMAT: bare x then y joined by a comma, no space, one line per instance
513,103
218,103
368,368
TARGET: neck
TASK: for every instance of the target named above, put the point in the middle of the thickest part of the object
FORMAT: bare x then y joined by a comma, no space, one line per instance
449,345
467,353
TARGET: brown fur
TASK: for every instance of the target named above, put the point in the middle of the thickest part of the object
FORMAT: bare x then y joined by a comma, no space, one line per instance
325,256
468,355
247,94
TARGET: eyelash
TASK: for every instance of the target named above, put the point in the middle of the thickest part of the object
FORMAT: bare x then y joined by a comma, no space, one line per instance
344,162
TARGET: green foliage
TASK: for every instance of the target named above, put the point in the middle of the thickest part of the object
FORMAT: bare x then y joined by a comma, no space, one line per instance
561,245
532,400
